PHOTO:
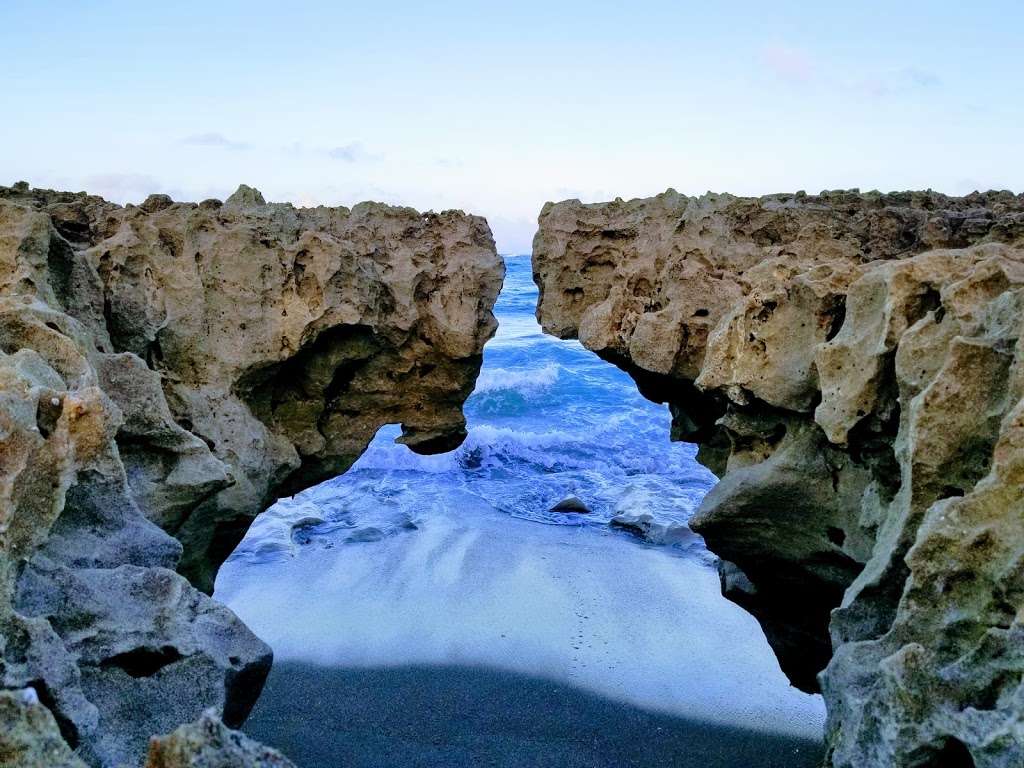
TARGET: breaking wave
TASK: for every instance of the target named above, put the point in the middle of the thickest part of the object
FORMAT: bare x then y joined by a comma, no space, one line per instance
496,379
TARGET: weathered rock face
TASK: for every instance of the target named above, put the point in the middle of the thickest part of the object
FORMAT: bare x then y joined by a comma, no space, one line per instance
166,371
852,366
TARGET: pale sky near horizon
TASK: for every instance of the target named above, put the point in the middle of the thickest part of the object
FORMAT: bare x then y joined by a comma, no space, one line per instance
497,108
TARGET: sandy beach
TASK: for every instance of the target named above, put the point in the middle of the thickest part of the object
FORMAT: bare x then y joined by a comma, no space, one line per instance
493,634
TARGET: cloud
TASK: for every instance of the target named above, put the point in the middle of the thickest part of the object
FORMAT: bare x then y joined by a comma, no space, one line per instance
123,187
788,63
797,66
920,77
213,140
897,81
351,153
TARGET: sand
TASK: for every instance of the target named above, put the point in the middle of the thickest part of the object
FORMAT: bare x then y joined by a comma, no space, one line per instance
450,717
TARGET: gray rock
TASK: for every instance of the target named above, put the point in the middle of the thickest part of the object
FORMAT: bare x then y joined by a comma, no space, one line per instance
571,504
631,515
155,654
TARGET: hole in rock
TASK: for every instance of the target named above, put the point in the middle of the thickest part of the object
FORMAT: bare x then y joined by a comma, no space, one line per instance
154,354
836,535
835,318
48,411
929,301
953,754
435,610
241,686
144,662
987,699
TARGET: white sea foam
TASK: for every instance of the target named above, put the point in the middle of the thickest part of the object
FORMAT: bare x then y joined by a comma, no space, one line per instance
585,446
526,379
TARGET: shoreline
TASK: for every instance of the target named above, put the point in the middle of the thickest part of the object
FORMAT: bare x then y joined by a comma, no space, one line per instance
475,589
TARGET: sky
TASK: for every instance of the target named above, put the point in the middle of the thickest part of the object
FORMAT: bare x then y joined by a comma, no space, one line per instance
496,108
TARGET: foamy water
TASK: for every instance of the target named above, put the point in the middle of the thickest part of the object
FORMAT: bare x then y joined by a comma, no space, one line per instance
455,559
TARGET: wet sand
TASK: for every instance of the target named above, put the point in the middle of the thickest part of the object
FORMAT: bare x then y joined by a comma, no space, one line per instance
587,607
455,716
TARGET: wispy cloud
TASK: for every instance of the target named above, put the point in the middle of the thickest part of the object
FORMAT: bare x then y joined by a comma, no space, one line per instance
122,187
788,63
213,140
897,81
354,152
795,65
921,77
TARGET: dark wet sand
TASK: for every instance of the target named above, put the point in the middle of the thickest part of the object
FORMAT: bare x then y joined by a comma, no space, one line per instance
455,717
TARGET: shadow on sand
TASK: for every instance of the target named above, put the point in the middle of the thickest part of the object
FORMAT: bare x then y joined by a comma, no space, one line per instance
455,717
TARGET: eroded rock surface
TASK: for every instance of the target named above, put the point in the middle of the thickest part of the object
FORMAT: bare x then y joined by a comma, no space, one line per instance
29,736
853,369
166,371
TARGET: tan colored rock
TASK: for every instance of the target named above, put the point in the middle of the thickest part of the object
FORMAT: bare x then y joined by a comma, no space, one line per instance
208,743
166,371
852,365
29,737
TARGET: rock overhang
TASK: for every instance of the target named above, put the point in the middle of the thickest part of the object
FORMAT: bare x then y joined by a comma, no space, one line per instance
850,365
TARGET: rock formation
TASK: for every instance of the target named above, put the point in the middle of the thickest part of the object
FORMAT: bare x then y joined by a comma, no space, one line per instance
208,743
29,736
166,371
853,370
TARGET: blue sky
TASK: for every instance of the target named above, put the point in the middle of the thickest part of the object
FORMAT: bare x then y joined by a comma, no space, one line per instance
496,108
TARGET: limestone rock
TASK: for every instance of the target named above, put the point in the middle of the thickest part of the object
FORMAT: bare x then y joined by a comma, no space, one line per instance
29,737
631,514
852,367
166,371
208,743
